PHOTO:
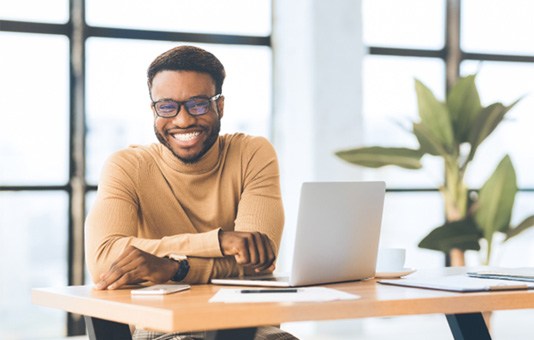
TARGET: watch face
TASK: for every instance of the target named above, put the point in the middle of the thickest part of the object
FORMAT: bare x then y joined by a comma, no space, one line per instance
183,269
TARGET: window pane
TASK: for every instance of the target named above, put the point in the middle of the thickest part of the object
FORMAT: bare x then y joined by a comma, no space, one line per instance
200,16
405,24
34,105
408,218
52,11
517,251
33,251
493,26
118,105
389,100
505,82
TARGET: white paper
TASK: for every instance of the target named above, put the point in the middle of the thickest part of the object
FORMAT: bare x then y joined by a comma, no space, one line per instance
307,294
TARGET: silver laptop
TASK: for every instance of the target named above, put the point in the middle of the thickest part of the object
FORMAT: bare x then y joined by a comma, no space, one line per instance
338,230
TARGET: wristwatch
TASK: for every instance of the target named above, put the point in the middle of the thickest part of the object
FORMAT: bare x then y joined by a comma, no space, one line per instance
183,267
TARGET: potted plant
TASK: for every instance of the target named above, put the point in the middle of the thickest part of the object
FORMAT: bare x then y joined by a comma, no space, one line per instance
453,130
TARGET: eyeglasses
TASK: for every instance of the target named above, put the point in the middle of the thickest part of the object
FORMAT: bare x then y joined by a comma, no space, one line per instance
168,108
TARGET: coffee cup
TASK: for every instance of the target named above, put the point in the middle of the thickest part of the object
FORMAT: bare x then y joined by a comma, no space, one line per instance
390,260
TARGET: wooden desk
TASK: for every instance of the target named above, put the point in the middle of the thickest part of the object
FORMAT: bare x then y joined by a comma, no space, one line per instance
190,310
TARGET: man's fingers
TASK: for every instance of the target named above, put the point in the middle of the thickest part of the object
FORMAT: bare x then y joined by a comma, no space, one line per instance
242,251
124,279
121,270
249,248
237,245
253,245
114,277
265,266
268,269
268,256
260,249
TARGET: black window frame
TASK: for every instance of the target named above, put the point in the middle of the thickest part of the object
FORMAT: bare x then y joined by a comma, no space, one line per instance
452,56
77,31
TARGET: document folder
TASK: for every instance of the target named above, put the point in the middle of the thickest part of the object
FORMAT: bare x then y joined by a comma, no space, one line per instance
460,283
516,274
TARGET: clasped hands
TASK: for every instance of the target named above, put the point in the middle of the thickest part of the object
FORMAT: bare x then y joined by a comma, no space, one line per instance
253,250
250,249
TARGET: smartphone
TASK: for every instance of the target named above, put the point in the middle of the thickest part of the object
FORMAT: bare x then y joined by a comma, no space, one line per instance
160,289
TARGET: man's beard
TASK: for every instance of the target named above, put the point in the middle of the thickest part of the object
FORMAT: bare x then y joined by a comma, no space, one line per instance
206,145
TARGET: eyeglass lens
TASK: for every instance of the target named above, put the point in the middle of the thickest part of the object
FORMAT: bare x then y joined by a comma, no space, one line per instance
170,108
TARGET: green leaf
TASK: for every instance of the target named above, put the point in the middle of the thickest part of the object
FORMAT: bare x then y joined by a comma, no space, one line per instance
462,234
486,122
464,105
524,225
496,200
427,141
435,117
377,156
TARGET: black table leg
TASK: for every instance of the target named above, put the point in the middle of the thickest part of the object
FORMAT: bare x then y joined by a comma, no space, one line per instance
232,334
469,326
99,329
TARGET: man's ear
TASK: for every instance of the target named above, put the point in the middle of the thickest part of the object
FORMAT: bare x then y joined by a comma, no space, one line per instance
220,106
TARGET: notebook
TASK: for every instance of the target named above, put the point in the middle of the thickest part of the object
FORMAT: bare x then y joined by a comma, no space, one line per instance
518,274
337,234
459,283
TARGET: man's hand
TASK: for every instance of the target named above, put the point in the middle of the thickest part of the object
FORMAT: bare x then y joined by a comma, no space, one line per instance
250,249
135,266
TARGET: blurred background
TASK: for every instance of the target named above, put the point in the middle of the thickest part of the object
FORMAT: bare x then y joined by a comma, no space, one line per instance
312,76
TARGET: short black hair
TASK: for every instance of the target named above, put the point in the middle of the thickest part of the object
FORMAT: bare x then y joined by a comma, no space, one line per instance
188,58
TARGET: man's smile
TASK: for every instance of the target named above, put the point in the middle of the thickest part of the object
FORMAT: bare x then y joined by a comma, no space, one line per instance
186,136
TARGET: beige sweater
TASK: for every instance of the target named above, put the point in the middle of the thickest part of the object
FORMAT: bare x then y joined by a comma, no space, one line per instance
151,200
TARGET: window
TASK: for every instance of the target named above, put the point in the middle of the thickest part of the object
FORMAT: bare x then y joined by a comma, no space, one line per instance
118,106
237,17
51,11
72,97
404,24
407,40
34,119
33,239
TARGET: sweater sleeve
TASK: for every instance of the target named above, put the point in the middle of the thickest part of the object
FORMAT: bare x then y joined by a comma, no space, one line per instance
112,225
260,208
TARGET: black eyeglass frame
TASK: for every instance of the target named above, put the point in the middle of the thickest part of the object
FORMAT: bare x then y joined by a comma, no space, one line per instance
185,104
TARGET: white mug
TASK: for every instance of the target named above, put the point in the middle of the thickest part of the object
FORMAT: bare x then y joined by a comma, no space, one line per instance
390,260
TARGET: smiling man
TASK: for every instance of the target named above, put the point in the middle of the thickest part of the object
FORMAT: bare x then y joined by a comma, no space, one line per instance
189,136
195,206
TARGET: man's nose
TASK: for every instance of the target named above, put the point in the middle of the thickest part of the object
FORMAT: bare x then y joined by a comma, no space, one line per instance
183,118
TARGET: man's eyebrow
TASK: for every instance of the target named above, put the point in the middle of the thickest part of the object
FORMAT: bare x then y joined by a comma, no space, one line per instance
200,96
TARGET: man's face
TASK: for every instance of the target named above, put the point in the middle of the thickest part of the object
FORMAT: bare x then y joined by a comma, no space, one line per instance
188,137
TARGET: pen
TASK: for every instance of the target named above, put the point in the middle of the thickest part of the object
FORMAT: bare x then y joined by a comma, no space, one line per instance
248,291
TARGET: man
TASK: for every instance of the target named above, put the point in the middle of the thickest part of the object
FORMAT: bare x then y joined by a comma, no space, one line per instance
195,206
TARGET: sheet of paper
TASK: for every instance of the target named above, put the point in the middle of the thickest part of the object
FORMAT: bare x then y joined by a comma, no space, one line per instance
307,294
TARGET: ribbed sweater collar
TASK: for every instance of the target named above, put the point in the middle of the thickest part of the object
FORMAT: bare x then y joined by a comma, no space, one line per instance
208,162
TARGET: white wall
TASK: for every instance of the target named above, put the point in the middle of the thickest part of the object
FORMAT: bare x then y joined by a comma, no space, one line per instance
318,53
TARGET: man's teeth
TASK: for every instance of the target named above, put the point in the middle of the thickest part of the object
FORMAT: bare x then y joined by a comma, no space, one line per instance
184,137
